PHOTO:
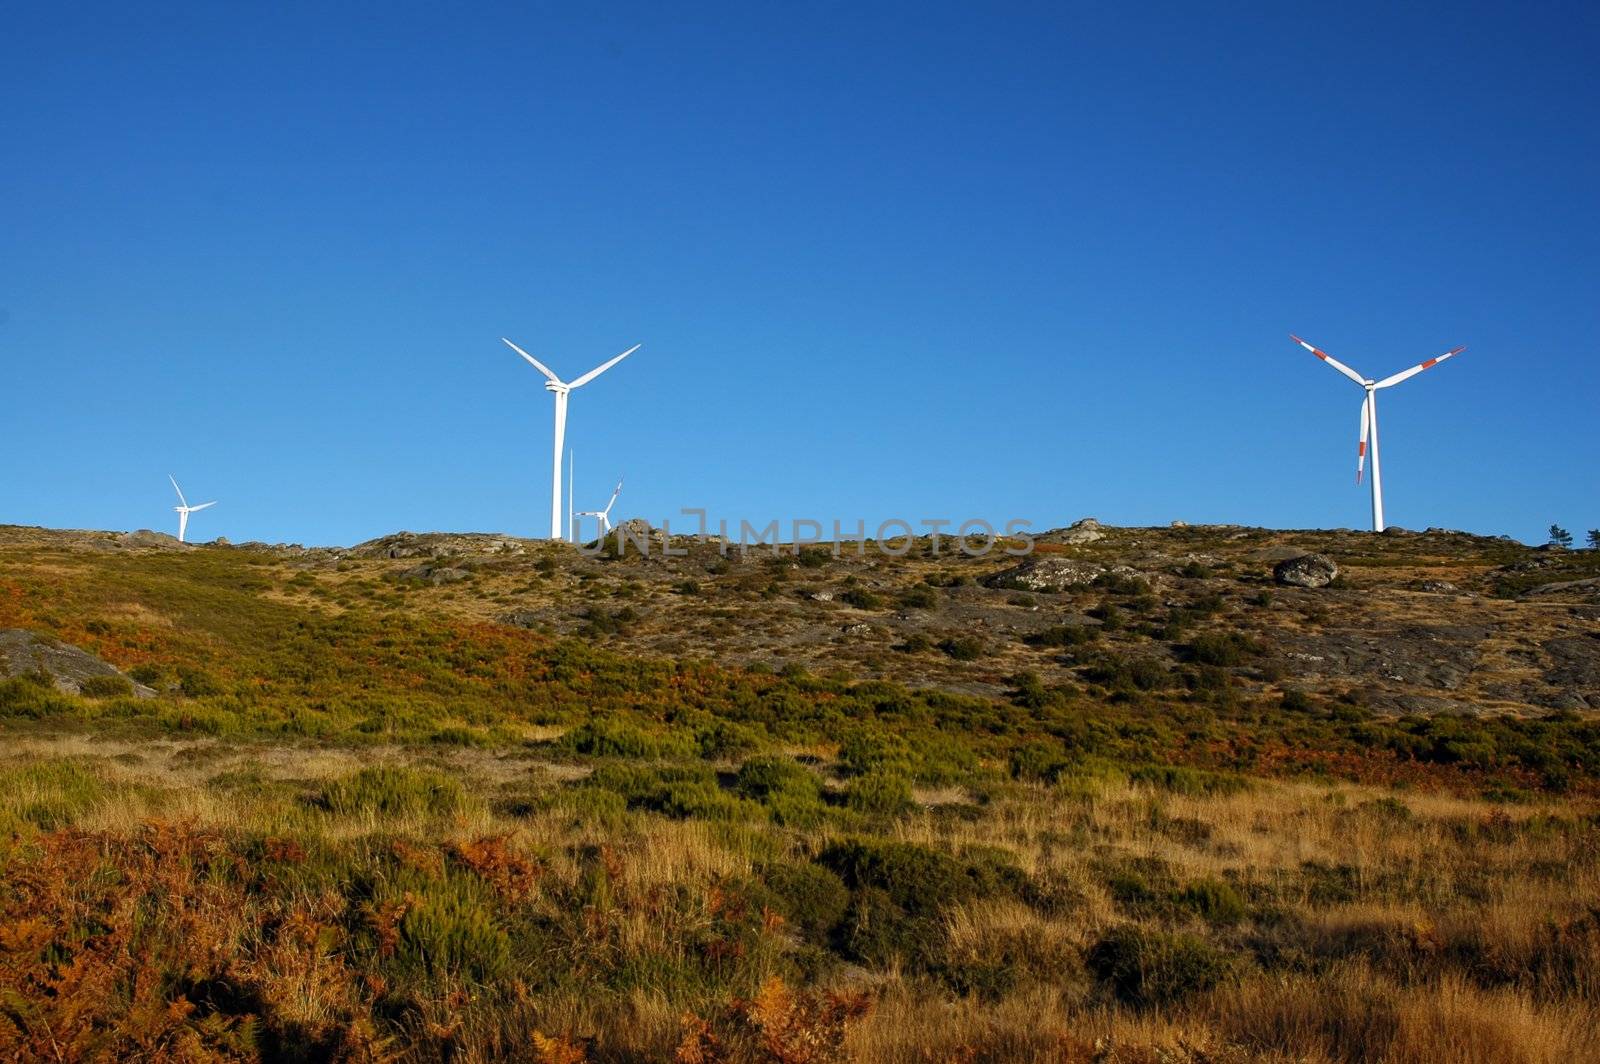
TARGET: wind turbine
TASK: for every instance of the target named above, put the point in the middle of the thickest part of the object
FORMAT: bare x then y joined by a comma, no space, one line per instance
1369,415
184,509
604,515
560,389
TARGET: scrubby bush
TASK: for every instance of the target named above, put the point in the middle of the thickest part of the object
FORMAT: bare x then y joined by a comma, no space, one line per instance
918,598
679,791
1223,648
1151,969
811,897
1213,901
880,793
615,738
963,647
393,791
861,599
1296,701
447,932
1038,761
1128,674
197,683
109,686
24,696
761,777
1029,692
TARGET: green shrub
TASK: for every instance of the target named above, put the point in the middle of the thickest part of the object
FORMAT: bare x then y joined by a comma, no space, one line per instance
1038,761
963,648
615,738
197,683
868,749
919,598
109,686
22,696
1128,674
394,791
449,933
762,777
1122,583
861,599
1029,692
1213,900
879,793
679,791
149,674
1295,701
727,738
1151,969
810,897
1223,648
900,892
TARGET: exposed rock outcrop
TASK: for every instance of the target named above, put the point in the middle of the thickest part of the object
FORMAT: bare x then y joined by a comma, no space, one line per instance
1054,574
1308,570
24,653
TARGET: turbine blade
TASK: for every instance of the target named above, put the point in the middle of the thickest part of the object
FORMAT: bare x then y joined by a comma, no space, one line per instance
177,489
202,506
592,374
540,366
1414,370
1330,360
1361,448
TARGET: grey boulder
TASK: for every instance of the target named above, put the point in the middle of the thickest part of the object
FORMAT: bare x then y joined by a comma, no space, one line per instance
1308,570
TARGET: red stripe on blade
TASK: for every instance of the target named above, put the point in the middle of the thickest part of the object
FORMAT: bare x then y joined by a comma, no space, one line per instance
1430,362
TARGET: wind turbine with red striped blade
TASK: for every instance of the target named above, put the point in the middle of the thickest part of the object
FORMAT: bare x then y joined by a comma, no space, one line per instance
1369,415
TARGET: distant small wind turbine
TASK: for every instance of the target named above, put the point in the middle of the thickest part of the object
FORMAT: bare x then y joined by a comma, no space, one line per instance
604,515
1369,415
560,389
184,509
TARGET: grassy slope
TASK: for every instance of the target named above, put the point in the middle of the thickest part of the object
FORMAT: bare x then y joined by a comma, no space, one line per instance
367,819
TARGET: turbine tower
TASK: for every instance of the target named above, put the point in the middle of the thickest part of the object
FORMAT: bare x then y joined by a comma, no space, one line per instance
184,509
604,515
1369,415
561,389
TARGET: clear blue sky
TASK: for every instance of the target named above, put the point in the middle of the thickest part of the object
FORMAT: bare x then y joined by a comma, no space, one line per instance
1033,261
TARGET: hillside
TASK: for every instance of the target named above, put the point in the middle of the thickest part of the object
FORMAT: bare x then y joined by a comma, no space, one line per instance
479,797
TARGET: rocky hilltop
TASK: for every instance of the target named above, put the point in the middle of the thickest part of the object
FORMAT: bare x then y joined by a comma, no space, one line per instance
1399,623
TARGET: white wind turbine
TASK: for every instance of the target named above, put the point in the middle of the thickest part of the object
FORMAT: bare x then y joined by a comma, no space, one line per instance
184,509
604,516
1369,415
560,389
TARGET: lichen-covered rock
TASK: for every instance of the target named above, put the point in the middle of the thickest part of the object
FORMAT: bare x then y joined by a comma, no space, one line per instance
1047,574
436,574
1308,570
24,653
